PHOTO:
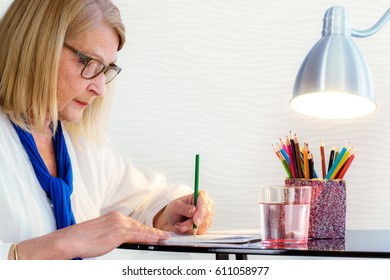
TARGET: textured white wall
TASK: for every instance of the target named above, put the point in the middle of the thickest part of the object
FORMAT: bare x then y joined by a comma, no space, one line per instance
215,77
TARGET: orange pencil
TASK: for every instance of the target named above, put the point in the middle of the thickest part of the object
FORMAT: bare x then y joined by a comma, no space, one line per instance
305,160
275,150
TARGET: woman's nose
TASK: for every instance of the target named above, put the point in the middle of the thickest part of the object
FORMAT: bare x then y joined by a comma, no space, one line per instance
99,83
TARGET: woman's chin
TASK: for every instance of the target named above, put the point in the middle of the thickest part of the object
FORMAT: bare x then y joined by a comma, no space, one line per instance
73,118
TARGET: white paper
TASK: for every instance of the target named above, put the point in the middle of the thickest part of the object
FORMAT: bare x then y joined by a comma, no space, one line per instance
228,237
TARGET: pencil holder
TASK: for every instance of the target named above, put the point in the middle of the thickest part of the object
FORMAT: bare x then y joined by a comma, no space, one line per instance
327,206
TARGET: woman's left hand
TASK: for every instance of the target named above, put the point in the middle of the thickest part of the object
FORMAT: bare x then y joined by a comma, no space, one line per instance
180,214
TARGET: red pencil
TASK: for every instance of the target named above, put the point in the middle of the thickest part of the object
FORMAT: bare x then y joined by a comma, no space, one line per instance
322,149
298,158
345,168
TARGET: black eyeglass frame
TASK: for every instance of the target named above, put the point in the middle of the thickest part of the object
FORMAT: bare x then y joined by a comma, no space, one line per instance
86,59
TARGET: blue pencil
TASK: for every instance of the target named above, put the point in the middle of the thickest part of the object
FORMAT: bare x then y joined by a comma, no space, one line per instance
285,155
336,162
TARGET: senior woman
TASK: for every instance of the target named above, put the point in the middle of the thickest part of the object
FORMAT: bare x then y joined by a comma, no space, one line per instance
64,192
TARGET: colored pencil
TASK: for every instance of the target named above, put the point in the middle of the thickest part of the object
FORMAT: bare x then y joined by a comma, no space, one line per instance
284,153
298,161
283,161
336,176
285,165
341,163
305,161
298,157
331,157
311,165
336,162
291,157
336,153
292,145
194,227
282,144
345,168
322,150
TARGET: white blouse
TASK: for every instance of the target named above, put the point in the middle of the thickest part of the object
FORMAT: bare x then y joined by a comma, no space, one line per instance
103,180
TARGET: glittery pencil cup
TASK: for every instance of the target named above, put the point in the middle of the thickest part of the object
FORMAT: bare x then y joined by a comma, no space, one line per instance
284,214
327,207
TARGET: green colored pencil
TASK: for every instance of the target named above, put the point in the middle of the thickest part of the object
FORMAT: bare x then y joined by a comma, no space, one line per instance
194,227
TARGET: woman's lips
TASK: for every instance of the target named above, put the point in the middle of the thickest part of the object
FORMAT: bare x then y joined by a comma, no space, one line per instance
81,103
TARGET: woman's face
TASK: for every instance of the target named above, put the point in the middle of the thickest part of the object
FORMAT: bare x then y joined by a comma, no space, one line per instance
74,93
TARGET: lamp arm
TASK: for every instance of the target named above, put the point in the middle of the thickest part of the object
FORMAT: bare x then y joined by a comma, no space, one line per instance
374,29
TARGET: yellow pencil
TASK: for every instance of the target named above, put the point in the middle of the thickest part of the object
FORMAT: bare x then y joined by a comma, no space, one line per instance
346,166
342,161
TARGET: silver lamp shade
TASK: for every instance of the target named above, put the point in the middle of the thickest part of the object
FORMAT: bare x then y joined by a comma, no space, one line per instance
334,81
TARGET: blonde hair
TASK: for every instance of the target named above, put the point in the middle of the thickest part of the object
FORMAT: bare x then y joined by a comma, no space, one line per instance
32,34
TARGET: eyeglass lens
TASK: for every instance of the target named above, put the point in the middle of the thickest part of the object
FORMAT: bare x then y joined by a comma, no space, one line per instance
94,67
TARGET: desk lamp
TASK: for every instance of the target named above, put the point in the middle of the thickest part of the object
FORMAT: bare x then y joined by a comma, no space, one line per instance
334,81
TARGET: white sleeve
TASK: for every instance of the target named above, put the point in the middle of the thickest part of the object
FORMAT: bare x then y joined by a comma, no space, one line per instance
122,187
4,250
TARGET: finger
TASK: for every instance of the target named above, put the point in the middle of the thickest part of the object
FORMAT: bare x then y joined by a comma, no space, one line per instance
146,234
205,225
154,231
183,208
205,212
135,237
163,235
185,227
204,208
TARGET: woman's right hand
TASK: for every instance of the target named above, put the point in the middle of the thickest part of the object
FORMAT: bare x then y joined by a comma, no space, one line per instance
89,239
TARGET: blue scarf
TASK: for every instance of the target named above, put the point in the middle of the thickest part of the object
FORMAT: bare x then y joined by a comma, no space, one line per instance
58,189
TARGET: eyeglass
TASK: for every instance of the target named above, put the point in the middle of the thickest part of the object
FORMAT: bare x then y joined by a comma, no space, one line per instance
92,67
